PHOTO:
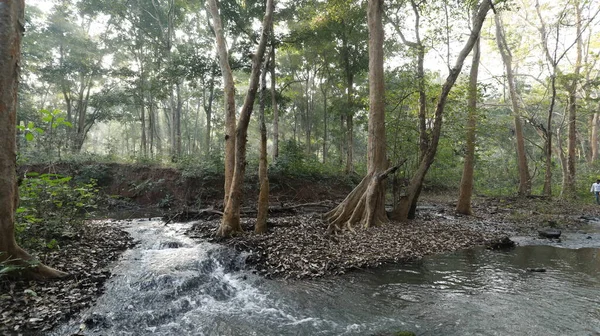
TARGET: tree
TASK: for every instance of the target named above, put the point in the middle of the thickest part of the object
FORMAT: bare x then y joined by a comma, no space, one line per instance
263,178
569,188
365,205
231,215
403,208
229,89
463,205
11,31
524,177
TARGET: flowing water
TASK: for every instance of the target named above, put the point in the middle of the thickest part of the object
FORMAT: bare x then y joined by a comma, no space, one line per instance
171,285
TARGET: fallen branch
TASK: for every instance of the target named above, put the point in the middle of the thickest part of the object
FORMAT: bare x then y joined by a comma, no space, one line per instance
211,213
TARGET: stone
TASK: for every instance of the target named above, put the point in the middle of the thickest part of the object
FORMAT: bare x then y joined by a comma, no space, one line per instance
549,233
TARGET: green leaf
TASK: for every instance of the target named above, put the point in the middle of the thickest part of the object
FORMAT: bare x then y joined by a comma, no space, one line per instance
30,292
29,136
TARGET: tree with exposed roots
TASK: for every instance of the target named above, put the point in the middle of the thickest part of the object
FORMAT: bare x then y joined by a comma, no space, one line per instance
365,205
11,31
233,195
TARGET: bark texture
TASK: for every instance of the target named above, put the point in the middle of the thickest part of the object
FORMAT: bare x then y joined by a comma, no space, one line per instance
407,202
11,31
365,205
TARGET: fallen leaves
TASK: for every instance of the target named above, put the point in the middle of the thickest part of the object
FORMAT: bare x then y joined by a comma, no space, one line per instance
297,247
29,306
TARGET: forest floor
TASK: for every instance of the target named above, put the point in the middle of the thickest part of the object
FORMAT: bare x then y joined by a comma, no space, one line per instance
295,246
34,307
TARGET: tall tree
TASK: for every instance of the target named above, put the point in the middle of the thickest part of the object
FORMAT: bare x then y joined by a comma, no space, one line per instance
403,208
463,205
229,89
11,32
524,177
365,205
569,187
231,215
263,178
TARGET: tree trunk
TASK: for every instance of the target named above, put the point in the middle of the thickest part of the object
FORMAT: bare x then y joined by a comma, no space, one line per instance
11,31
325,117
274,103
569,188
463,205
402,209
208,111
365,205
547,132
524,178
350,124
548,145
231,215
177,122
594,138
229,89
263,196
561,155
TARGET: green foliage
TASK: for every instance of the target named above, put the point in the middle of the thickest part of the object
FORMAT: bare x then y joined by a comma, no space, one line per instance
7,267
293,161
201,165
30,130
52,207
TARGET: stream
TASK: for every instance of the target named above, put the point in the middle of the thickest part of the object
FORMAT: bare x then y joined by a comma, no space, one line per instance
172,285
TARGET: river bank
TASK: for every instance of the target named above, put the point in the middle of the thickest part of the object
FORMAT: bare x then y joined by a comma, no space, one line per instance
297,247
33,307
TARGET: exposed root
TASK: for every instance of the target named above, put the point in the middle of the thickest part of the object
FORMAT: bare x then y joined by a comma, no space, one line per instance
31,268
364,206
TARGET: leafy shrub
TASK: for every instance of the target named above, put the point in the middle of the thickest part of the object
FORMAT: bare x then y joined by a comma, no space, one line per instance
293,161
202,166
100,173
52,207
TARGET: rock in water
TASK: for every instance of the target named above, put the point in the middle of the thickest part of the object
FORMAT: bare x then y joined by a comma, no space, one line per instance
549,233
501,244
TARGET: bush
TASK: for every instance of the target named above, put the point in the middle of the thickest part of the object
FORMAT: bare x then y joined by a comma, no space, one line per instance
52,207
293,161
201,166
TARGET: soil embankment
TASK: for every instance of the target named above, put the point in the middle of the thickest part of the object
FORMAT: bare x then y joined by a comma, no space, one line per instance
171,189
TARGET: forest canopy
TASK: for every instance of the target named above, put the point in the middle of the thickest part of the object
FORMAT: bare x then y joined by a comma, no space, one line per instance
140,81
